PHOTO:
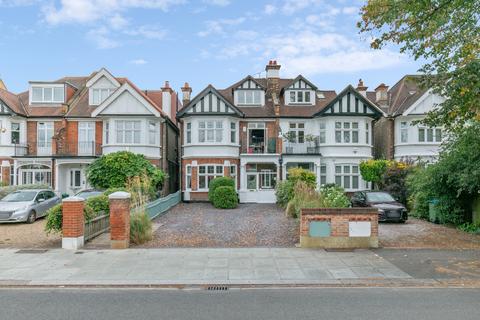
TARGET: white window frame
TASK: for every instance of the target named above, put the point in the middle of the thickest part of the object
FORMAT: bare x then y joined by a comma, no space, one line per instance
188,132
233,132
210,131
323,174
54,91
107,132
249,97
152,132
343,175
322,138
434,131
263,179
45,147
233,174
404,132
73,178
299,97
86,137
344,129
12,131
99,95
297,128
208,175
122,132
367,133
188,177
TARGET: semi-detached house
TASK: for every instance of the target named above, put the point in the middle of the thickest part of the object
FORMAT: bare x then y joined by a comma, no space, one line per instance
258,128
52,132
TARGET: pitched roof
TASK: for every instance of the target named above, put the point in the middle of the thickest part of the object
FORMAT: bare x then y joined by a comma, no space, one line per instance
13,102
404,94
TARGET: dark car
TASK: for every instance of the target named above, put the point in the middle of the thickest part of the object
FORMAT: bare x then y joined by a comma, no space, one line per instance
388,208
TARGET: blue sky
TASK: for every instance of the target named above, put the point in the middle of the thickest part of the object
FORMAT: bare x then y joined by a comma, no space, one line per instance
199,41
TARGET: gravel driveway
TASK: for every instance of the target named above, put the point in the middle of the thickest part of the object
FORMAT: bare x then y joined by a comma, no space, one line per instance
202,225
22,235
417,233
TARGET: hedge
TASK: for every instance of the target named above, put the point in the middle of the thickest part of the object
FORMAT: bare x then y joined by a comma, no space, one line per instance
219,182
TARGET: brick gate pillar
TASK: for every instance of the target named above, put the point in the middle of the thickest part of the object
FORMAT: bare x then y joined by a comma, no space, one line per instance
73,223
119,220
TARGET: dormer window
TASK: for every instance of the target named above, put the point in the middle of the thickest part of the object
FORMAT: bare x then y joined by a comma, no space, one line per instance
300,96
100,95
249,97
47,94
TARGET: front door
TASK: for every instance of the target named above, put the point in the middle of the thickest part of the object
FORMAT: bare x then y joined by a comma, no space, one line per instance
77,180
86,141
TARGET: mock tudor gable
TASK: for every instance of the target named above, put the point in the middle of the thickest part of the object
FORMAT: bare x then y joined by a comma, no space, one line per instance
350,102
209,102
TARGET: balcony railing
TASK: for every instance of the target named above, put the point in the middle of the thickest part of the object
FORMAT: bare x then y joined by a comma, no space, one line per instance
307,147
261,148
61,149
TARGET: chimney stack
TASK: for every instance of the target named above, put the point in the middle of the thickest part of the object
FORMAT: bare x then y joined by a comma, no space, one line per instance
186,92
362,88
167,99
381,94
273,79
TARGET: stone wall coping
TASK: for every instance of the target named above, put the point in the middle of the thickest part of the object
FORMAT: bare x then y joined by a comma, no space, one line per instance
338,211
73,199
119,195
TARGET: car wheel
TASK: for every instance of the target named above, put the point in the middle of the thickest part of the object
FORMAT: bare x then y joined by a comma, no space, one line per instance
31,217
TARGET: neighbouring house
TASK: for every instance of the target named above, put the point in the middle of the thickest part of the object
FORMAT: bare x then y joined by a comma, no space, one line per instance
398,136
52,132
258,128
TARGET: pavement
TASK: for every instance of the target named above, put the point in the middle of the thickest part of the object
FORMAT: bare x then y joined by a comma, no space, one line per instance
266,304
180,267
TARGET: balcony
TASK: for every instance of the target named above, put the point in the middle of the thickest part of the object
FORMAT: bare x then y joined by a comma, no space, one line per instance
310,146
59,149
259,147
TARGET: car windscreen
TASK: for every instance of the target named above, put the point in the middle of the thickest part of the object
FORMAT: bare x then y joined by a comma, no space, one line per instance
88,194
379,197
20,196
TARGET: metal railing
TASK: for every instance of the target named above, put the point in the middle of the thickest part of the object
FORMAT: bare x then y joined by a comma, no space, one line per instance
21,149
261,148
96,226
307,147
88,148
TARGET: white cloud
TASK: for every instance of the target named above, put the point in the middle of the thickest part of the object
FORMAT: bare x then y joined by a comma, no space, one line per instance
102,38
220,3
17,3
148,32
217,26
350,10
138,61
292,6
117,22
269,9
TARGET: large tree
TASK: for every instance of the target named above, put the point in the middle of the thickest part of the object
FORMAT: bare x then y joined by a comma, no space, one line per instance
446,34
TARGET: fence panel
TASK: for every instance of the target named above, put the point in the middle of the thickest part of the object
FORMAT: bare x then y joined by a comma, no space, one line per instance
96,226
162,205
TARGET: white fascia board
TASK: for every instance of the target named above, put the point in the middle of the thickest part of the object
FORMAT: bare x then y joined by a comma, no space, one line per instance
103,73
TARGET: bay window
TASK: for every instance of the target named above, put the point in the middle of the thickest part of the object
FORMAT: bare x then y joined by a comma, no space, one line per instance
323,174
233,132
403,132
15,132
346,132
323,132
249,97
152,132
128,131
207,173
189,177
426,134
347,176
210,131
367,133
189,132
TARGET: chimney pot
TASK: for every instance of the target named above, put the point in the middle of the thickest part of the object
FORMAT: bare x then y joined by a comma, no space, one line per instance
361,88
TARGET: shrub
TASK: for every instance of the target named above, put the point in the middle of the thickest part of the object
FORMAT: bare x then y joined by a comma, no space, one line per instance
219,182
373,170
333,197
300,174
225,197
284,192
394,180
140,228
92,208
113,170
304,197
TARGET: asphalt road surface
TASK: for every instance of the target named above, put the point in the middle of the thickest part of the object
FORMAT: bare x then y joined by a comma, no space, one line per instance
266,304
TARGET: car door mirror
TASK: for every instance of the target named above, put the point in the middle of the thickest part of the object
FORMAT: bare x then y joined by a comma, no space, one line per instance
40,200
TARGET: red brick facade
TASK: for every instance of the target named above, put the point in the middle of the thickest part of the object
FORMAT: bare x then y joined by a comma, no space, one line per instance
119,222
32,137
72,221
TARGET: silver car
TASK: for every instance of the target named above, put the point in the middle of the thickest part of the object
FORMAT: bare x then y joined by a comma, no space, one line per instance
27,205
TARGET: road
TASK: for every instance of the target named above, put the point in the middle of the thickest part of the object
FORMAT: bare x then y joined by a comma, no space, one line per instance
325,303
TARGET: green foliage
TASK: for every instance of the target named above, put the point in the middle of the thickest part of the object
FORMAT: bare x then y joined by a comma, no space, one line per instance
98,203
219,182
443,33
469,227
114,169
284,192
394,180
9,189
334,197
373,170
109,191
93,207
300,174
454,180
225,197
140,228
